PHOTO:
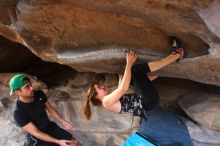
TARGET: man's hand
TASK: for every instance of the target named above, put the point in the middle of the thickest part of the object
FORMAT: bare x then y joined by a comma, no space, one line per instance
67,125
64,142
58,117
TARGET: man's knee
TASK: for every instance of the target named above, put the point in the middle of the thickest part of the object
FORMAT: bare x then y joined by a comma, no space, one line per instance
75,142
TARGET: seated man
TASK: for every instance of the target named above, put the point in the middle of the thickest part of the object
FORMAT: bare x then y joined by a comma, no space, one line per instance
30,114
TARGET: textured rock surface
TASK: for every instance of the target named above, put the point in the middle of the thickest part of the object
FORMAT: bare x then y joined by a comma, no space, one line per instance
95,35
12,135
5,79
105,128
203,108
203,69
203,136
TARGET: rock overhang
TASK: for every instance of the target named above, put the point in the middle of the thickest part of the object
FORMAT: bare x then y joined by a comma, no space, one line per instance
94,36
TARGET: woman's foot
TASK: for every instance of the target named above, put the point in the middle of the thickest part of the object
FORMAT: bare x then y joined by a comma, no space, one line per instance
175,43
176,48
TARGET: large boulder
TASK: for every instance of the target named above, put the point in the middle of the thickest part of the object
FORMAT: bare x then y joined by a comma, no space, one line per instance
204,108
202,136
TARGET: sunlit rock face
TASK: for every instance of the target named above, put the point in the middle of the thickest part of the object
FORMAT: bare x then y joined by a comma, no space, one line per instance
95,35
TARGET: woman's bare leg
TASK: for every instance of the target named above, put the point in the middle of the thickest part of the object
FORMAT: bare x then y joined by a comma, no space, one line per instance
156,65
152,77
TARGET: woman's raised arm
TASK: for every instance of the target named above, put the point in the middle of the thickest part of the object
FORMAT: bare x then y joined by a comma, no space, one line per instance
123,87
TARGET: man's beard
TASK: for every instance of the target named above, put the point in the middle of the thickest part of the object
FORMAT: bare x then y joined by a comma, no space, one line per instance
32,93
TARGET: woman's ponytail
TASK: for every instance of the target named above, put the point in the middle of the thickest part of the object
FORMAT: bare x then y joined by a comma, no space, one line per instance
87,110
91,93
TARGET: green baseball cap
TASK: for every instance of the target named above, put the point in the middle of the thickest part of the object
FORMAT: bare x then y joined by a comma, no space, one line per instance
17,82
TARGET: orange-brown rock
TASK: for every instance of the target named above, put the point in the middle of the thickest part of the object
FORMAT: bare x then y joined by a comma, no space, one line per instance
95,35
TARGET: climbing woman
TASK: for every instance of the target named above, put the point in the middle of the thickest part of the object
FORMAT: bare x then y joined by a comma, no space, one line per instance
143,103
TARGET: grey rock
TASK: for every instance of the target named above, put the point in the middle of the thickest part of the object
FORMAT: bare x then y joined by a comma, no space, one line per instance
204,108
105,128
1,105
202,135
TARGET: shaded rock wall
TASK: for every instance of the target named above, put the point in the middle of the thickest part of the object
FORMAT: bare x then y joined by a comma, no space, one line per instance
14,56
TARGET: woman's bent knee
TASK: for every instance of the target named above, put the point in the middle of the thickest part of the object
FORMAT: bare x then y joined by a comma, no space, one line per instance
140,68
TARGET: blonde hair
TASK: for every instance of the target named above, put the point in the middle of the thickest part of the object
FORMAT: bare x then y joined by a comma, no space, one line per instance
91,96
